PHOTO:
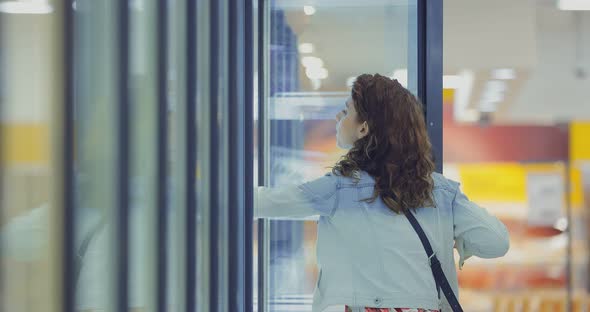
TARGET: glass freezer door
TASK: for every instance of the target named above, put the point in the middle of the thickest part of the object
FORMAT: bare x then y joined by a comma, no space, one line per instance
310,53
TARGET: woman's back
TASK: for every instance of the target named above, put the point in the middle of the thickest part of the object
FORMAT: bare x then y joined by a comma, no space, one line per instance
369,255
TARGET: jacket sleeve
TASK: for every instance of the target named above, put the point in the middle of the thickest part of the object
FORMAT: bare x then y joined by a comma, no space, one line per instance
476,232
314,198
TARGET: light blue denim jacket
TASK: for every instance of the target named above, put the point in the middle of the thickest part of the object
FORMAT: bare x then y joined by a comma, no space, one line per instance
370,256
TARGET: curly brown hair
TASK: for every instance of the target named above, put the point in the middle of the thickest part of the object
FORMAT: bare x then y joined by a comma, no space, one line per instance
397,151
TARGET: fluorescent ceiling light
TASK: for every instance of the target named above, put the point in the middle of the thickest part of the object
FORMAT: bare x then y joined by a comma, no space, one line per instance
452,81
492,95
26,7
316,84
574,5
306,48
312,61
504,74
497,86
401,75
487,107
309,10
494,91
316,73
461,109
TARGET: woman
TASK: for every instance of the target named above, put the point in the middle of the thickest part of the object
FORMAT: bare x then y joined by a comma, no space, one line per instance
370,256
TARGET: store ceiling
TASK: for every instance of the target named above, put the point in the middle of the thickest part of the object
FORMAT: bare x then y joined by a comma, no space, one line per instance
552,62
548,49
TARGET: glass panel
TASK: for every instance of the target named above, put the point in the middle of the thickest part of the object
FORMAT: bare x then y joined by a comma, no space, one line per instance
222,146
315,53
203,156
95,151
257,252
30,161
142,230
177,154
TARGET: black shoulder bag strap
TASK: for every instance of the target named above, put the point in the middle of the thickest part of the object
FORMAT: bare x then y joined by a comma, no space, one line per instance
437,271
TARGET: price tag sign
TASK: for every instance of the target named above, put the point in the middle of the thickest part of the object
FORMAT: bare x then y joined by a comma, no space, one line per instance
546,193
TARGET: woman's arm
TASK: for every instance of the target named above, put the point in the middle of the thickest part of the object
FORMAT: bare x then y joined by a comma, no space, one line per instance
314,198
477,232
281,202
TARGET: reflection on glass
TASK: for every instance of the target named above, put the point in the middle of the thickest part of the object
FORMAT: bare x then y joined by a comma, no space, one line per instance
176,156
203,124
222,162
29,132
313,60
95,152
142,220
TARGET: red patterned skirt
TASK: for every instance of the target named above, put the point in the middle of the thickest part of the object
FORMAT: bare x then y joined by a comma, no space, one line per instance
348,309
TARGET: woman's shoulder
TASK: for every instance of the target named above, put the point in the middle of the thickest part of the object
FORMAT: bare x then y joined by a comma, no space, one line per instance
442,182
358,178
361,178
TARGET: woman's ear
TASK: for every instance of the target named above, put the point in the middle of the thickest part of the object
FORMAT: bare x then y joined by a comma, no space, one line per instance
363,130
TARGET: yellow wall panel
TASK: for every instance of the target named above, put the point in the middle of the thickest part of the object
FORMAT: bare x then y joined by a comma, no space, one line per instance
25,144
579,141
507,182
579,152
448,96
502,182
576,193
